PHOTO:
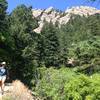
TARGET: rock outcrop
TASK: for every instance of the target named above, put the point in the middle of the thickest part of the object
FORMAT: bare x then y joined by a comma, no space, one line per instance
50,14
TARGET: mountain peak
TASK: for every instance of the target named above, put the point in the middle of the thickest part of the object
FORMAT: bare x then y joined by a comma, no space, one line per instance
53,15
48,10
82,10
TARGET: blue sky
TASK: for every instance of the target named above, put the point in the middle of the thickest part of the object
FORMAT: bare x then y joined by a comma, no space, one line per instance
58,4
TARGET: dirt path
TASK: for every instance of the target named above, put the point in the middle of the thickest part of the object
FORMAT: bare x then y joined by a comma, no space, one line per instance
8,88
18,91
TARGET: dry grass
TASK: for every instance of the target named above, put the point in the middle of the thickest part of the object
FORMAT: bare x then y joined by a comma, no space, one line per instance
19,92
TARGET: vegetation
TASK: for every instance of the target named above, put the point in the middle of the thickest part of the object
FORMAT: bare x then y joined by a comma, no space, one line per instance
21,30
42,60
66,84
6,42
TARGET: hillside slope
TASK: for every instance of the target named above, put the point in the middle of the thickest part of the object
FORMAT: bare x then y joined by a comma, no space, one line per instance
53,15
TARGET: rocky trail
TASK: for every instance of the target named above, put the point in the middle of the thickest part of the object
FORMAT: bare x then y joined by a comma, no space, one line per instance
17,91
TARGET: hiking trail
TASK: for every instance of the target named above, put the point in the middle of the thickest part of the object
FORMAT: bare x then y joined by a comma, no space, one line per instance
17,91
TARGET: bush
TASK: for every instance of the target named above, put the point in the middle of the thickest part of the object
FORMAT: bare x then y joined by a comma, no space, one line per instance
51,84
65,84
83,88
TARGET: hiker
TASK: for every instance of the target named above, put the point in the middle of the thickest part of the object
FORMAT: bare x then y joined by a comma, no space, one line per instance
3,74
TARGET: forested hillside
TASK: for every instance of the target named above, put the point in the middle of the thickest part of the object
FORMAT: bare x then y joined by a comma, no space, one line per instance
60,63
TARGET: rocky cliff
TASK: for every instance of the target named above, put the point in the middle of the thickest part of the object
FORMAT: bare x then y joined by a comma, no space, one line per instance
50,14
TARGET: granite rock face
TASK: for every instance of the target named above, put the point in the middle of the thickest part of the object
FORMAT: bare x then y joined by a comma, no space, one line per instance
52,15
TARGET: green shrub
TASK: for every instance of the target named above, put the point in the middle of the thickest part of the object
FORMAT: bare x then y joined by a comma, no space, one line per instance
65,84
52,83
83,88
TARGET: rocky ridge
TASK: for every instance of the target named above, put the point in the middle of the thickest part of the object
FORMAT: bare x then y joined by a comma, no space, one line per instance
50,14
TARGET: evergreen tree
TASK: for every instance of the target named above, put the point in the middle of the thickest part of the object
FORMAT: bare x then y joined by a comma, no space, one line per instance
3,8
50,45
22,24
6,41
93,24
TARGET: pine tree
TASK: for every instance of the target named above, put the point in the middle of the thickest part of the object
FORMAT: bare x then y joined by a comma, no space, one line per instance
3,8
22,25
50,45
6,41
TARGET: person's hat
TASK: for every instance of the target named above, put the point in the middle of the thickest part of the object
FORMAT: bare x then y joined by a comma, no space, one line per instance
3,63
